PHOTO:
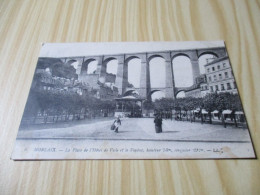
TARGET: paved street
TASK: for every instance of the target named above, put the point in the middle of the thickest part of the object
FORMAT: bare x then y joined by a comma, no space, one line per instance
143,129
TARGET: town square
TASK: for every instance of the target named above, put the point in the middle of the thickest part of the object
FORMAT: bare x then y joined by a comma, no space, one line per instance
129,94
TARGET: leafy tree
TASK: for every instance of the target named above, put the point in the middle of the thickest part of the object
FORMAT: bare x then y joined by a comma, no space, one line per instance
64,71
148,105
210,103
44,63
130,85
58,68
164,104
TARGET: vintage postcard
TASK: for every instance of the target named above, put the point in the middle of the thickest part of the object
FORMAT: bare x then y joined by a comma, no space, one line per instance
133,100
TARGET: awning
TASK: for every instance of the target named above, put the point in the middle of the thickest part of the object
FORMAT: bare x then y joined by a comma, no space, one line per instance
227,112
204,111
239,112
215,112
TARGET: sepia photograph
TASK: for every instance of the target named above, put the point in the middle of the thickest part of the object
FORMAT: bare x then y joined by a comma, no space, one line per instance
133,100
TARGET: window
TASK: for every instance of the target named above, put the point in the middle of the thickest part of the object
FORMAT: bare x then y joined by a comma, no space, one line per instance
218,67
211,88
213,68
224,65
208,70
216,87
209,78
235,85
222,87
226,74
206,87
228,86
215,77
220,76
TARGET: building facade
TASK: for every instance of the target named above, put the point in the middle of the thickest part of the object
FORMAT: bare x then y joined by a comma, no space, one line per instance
199,89
220,77
90,84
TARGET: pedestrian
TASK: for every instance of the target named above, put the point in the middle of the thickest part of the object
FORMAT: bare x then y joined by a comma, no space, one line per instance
158,124
117,123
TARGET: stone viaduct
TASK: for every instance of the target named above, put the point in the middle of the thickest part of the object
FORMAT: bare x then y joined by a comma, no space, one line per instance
145,90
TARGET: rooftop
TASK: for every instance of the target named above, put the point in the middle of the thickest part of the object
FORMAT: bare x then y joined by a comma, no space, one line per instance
217,60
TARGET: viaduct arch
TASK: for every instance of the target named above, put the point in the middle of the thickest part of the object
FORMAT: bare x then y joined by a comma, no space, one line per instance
145,85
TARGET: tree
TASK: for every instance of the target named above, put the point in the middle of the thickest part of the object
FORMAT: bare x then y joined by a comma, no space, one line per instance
58,68
148,105
64,71
130,85
163,104
210,104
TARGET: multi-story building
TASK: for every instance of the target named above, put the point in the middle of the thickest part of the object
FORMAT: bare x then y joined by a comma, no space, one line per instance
45,81
90,84
199,89
105,90
220,76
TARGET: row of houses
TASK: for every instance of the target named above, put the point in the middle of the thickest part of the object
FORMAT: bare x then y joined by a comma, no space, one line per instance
44,80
